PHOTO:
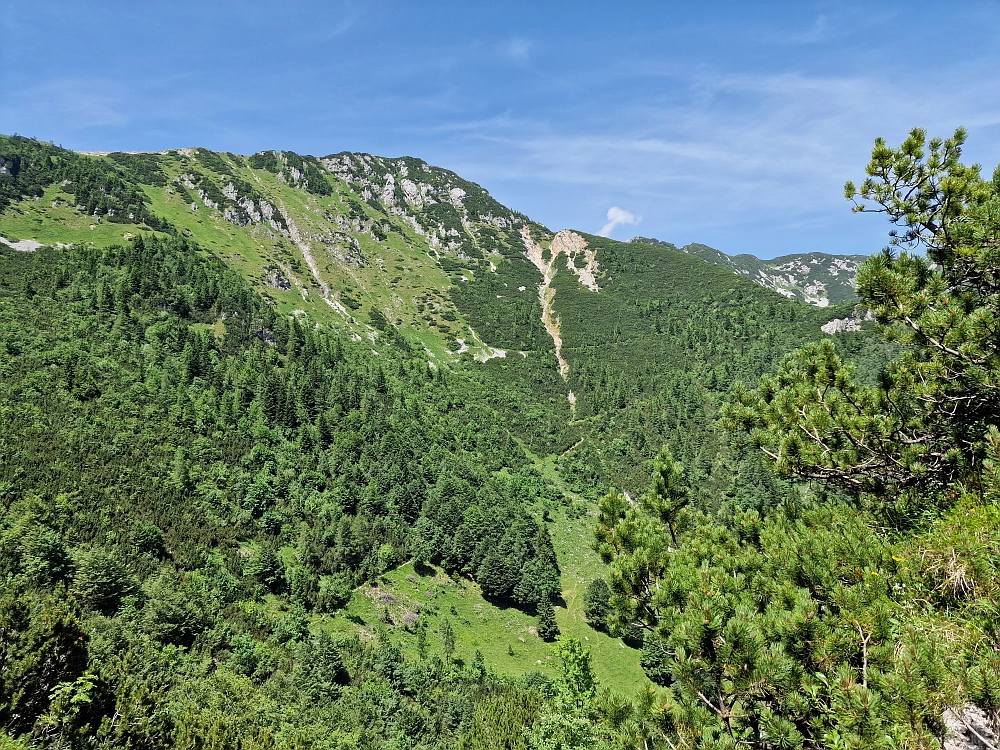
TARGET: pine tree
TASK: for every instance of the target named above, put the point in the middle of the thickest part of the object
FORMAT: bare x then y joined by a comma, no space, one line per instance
596,603
101,580
667,497
422,640
447,639
924,425
38,650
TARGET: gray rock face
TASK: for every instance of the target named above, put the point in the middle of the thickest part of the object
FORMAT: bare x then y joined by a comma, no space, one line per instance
24,246
277,280
436,203
853,323
970,728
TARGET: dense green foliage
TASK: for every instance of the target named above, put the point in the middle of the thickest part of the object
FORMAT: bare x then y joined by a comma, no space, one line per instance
27,167
851,621
924,426
193,485
166,483
142,168
651,358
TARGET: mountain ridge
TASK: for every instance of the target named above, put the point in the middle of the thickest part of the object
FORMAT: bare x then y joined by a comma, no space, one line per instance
818,279
399,254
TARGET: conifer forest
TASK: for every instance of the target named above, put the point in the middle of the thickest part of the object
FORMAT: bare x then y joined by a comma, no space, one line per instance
340,452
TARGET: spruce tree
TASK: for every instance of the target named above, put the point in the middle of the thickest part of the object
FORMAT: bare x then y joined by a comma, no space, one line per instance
547,627
447,639
596,603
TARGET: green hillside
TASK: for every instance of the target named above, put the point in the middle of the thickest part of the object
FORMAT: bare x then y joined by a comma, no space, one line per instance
263,328
388,250
340,452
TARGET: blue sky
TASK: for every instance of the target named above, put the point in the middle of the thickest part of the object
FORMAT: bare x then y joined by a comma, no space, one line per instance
731,124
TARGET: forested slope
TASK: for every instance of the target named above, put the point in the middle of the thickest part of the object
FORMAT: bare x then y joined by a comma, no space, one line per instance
184,468
861,611
220,423
819,279
277,429
396,252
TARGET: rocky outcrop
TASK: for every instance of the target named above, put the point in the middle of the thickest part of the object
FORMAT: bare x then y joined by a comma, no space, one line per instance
970,728
546,295
277,280
853,323
575,248
239,204
306,250
24,246
439,205
580,260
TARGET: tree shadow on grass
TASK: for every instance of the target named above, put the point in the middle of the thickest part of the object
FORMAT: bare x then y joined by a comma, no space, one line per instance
423,570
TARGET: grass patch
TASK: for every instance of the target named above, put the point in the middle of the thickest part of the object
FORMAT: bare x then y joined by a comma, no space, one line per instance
403,597
51,220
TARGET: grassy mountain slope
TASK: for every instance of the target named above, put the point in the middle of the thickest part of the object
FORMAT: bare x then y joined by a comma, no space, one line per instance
189,476
396,250
349,243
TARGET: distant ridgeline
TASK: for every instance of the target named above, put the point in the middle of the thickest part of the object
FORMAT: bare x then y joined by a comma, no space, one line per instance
818,279
244,400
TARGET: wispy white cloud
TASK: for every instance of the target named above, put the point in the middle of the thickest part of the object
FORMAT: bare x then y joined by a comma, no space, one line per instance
340,28
616,218
86,102
816,34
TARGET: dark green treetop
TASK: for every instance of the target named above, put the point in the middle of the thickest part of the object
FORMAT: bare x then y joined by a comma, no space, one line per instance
925,425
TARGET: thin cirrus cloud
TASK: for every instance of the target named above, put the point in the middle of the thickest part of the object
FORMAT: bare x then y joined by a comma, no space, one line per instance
87,101
820,29
517,50
767,152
